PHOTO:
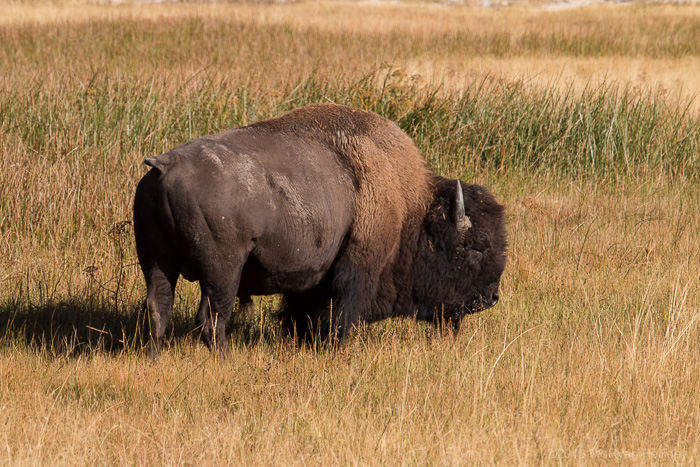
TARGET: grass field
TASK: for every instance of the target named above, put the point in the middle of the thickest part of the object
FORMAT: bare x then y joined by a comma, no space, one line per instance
584,123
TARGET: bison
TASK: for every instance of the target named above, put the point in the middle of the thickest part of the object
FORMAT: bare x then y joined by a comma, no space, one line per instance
332,207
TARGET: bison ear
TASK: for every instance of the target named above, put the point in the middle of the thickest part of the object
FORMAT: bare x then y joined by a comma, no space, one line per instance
459,218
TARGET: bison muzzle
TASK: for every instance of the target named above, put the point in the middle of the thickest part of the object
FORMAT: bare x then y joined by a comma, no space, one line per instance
330,206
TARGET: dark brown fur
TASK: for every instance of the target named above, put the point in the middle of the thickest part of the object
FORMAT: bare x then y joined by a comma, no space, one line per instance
332,207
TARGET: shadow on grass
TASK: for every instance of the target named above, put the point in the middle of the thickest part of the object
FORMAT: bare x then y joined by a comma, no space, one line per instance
77,326
81,326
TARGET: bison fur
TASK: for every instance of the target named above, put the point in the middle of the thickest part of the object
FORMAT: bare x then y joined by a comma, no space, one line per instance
332,207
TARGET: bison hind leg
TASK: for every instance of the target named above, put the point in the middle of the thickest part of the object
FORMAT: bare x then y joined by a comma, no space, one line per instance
215,308
301,314
160,285
160,264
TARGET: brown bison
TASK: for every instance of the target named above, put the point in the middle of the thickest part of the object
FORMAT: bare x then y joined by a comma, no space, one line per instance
330,206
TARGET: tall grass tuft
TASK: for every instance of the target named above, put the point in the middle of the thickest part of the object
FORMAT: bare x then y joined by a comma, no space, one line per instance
491,124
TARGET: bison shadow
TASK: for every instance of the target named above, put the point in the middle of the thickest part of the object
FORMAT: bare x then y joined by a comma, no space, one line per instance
71,326
82,326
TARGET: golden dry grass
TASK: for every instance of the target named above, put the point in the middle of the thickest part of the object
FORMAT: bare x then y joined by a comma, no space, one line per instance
673,75
590,358
676,79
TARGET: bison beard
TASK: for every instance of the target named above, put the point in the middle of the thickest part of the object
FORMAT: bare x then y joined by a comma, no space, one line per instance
330,206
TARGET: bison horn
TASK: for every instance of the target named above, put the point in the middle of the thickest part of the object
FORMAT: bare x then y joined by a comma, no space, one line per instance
460,219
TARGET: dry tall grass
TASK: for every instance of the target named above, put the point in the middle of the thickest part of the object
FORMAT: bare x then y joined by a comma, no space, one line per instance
591,356
652,47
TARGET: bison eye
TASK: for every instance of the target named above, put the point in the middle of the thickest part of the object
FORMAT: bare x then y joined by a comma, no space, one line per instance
475,256
482,249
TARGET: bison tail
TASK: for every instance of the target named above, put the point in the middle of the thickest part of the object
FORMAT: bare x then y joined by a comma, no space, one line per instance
159,162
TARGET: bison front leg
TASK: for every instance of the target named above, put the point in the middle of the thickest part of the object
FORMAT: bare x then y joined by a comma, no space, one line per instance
300,312
327,313
354,288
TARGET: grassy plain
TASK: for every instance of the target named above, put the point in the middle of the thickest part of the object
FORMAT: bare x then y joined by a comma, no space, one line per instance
581,122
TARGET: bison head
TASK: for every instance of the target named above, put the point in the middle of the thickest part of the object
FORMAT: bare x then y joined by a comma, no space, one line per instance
462,249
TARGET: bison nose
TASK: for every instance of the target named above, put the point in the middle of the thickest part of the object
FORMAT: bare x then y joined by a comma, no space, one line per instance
489,299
